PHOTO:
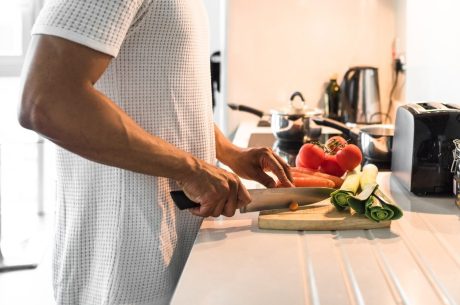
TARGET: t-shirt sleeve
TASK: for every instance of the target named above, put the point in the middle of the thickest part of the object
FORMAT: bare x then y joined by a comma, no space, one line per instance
98,24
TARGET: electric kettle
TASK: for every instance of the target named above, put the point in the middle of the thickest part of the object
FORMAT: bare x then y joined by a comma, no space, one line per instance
360,97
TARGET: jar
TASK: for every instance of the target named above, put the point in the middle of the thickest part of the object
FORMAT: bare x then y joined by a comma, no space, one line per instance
456,170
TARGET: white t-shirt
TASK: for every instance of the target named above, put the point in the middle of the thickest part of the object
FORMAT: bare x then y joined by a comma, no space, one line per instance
119,237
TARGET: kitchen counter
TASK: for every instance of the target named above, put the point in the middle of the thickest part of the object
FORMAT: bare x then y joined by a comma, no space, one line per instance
417,261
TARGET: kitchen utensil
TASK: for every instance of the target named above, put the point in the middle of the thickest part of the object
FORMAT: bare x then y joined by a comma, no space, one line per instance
375,141
288,124
423,145
317,217
267,199
360,96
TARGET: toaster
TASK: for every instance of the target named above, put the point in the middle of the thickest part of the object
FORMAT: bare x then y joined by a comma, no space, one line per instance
422,146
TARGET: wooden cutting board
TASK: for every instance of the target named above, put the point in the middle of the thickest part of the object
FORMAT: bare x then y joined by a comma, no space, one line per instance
317,217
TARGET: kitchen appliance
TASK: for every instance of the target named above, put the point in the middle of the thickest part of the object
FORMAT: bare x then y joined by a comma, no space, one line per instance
267,199
360,99
375,141
423,145
288,124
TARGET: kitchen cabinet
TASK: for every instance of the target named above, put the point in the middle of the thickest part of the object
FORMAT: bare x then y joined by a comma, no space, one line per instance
417,261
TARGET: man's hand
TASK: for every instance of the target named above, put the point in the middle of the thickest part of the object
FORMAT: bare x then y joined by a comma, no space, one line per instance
253,163
218,191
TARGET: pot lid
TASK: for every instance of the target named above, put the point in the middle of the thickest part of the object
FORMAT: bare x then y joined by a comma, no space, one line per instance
297,107
304,111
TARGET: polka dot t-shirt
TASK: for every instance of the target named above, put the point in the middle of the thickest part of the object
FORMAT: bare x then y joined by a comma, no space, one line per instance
119,237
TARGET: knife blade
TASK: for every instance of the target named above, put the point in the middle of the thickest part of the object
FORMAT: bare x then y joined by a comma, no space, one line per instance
267,199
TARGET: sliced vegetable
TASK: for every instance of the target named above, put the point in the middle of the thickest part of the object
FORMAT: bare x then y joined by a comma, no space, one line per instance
369,175
368,184
359,201
349,187
300,171
377,211
349,157
293,206
371,201
382,208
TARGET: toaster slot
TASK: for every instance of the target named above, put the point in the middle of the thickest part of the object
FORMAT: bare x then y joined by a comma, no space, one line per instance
452,106
428,107
433,106
416,107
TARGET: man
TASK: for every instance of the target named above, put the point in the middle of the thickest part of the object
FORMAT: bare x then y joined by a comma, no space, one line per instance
122,86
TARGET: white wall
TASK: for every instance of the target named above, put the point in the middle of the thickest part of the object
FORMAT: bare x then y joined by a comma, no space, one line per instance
213,8
278,46
216,10
433,50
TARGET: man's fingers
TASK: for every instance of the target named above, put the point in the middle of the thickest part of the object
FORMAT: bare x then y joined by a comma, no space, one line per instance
265,179
219,207
232,201
243,195
202,211
271,163
285,166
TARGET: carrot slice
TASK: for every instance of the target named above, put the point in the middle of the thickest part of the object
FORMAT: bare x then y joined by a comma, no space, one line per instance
296,171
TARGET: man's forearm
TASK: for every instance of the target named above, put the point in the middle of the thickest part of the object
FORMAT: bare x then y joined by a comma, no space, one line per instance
225,150
102,132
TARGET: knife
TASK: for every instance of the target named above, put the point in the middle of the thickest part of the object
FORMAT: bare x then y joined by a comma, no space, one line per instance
267,199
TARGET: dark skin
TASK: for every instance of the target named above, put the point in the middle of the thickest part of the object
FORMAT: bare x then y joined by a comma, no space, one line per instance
102,132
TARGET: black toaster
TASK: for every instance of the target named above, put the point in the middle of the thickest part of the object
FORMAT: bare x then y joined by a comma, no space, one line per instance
422,146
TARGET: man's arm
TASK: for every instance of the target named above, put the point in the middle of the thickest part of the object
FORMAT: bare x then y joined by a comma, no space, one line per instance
59,101
252,163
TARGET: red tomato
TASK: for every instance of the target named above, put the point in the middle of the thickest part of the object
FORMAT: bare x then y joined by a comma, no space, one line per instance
349,157
331,166
335,143
298,163
310,156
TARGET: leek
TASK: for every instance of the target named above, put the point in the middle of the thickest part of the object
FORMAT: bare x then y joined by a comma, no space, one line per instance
382,208
370,201
339,198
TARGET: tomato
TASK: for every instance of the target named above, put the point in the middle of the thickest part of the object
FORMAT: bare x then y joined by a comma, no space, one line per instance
298,163
349,157
331,166
310,156
335,143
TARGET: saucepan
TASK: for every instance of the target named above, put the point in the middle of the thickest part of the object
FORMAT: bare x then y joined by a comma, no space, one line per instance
375,141
288,124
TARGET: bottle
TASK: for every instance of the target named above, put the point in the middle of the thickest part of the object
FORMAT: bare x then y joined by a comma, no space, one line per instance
456,170
332,98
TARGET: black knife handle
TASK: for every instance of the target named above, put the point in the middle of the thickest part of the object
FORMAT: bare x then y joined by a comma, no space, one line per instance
182,201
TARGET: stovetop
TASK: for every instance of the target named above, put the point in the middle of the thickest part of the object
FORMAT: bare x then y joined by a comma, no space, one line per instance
289,150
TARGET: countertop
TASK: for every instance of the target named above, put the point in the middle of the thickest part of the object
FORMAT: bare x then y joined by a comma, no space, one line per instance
416,261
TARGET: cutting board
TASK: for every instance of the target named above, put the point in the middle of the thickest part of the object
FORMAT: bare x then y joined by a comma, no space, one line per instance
317,217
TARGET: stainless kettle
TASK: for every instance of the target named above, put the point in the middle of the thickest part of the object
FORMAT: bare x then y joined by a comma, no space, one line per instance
360,98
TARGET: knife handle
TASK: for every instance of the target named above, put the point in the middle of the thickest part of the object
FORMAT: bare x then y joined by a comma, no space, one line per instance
182,201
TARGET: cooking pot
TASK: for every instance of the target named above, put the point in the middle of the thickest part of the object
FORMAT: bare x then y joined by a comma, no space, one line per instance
288,124
375,141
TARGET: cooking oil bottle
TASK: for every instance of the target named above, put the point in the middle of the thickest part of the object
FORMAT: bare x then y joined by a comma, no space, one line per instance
332,98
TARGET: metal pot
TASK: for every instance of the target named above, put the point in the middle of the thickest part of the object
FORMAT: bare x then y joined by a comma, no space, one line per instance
288,124
375,141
